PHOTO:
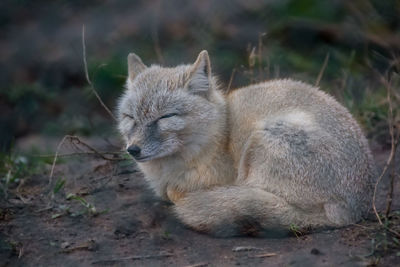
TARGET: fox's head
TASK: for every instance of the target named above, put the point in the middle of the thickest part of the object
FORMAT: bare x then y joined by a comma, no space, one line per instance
170,111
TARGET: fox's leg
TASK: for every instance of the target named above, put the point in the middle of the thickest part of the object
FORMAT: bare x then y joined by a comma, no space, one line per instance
240,210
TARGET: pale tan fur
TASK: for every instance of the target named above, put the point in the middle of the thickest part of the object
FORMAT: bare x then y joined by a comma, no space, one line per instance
262,158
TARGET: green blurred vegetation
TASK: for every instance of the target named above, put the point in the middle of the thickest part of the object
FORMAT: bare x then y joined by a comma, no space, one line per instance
15,167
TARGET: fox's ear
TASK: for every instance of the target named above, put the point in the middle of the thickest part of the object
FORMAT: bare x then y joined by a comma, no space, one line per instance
199,81
135,66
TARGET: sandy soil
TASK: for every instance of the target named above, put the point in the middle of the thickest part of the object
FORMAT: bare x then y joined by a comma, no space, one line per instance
132,227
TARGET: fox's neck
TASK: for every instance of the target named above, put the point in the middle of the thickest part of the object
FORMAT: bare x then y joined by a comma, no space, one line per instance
211,165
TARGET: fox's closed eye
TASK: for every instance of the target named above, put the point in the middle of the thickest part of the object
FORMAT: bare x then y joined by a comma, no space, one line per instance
125,115
169,115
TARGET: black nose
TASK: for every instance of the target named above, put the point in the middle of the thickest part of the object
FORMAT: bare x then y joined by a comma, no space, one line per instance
134,150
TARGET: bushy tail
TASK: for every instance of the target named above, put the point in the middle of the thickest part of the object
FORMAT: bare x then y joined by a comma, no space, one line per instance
237,210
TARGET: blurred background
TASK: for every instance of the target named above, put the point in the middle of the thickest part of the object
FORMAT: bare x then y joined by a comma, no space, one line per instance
346,47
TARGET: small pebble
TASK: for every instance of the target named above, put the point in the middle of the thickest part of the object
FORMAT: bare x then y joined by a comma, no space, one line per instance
65,245
315,251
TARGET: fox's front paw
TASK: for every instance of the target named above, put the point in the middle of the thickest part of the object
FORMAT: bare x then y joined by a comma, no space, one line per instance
175,195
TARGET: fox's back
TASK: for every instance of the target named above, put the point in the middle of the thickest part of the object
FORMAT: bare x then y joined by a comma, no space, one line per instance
253,107
308,125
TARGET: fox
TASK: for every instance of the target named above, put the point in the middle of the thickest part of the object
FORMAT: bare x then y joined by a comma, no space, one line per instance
257,160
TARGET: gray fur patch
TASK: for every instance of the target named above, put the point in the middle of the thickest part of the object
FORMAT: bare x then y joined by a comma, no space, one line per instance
296,139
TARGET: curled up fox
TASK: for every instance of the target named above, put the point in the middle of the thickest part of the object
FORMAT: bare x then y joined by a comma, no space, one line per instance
257,160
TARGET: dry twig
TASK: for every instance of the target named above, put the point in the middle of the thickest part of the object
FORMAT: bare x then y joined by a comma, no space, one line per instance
88,245
81,153
154,33
138,257
239,249
321,72
228,89
76,141
55,159
88,78
259,55
265,255
252,63
201,264
394,143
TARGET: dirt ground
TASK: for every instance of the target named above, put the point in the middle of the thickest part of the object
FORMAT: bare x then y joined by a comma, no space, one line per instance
130,227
